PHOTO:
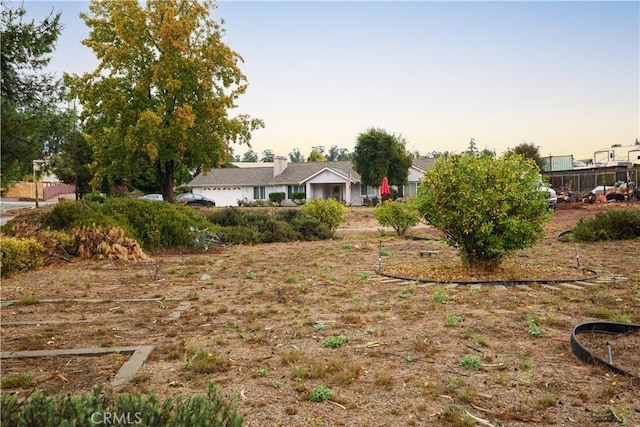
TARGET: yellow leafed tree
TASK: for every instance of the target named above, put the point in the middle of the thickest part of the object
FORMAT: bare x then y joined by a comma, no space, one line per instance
161,95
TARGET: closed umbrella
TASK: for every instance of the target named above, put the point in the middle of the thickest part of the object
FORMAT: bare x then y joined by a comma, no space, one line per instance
385,191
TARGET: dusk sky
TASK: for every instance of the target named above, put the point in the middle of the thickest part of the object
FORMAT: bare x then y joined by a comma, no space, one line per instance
564,76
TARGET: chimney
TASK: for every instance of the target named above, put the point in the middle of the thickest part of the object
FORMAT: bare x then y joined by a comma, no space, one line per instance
279,165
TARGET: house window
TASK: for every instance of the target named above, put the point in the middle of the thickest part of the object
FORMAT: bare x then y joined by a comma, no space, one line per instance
259,193
368,190
296,189
411,189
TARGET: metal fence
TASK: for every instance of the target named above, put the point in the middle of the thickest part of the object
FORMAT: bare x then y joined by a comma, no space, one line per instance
584,180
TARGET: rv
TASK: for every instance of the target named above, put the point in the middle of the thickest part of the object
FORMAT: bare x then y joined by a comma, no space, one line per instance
617,155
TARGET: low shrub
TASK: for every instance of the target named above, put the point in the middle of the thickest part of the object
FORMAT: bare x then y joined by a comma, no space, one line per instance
397,215
277,197
613,224
102,407
239,235
329,212
227,217
19,255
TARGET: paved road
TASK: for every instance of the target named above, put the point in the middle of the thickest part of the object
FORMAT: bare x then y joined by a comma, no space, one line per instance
9,205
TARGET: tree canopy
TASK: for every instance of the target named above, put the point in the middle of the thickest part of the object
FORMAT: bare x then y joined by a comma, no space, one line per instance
528,151
28,94
162,92
378,154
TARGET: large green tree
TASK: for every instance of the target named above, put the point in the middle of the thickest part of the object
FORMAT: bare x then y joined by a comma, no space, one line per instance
378,154
29,95
485,206
528,150
162,92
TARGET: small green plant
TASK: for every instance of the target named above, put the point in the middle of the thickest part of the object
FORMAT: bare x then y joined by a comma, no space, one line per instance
452,320
320,394
278,384
527,364
291,279
250,275
334,342
548,400
383,252
440,296
535,329
23,379
346,246
621,318
470,362
409,359
364,276
404,293
263,372
258,292
28,300
193,296
318,326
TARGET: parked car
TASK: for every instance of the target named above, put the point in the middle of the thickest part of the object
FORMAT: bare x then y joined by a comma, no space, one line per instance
553,197
155,197
192,199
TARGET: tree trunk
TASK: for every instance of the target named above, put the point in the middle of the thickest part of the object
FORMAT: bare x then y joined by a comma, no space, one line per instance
166,180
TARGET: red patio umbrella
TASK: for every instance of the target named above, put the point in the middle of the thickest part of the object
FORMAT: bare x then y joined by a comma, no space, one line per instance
384,187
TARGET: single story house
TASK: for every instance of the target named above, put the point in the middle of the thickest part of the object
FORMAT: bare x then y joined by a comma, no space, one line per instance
336,180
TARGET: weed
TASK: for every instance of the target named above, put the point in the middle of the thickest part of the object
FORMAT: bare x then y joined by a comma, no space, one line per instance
258,292
332,278
334,342
535,329
193,296
262,372
452,320
364,276
300,372
384,379
527,364
404,293
440,296
320,394
548,400
383,252
318,326
24,379
370,331
346,246
409,359
291,279
621,318
28,301
250,275
470,362
278,384
200,361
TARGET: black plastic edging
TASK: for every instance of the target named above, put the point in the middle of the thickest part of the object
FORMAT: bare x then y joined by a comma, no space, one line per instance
602,328
495,282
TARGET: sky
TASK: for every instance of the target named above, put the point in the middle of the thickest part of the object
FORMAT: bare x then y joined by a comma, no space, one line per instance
563,75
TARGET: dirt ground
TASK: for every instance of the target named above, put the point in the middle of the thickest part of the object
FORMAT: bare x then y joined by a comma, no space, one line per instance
260,320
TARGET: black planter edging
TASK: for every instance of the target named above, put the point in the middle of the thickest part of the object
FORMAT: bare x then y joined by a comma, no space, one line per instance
495,282
612,328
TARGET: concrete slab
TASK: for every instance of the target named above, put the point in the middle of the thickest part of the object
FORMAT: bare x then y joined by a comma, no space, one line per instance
126,372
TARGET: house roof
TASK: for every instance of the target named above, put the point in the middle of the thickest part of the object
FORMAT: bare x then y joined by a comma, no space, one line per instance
423,163
294,173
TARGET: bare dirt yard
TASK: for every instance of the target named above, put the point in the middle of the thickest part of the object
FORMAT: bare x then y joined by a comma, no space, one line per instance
270,323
